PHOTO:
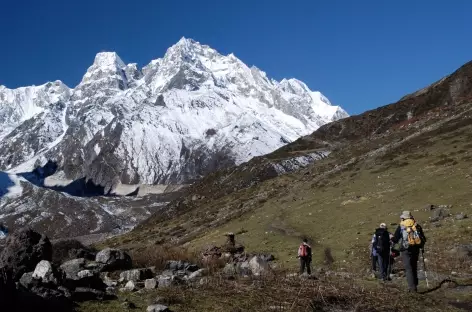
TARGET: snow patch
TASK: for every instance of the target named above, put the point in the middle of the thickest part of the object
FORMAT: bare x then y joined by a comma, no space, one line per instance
10,185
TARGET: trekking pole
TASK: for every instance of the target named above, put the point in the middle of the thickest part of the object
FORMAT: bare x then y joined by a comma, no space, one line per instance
389,268
424,269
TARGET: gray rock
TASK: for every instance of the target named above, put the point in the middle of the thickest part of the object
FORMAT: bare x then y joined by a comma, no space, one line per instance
439,214
244,268
461,216
114,259
150,283
174,265
197,274
258,266
107,280
111,291
180,273
157,308
85,274
167,273
167,281
45,272
78,276
73,267
130,286
136,275
94,266
164,281
27,280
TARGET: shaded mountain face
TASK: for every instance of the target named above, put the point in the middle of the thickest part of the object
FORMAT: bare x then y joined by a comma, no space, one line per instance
175,120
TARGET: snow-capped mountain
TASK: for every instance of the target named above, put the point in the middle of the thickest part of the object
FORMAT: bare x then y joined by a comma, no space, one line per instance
178,118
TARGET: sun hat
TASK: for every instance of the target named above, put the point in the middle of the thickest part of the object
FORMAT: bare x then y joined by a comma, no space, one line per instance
406,215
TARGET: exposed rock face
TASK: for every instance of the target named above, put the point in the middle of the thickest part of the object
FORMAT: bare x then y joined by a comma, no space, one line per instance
24,249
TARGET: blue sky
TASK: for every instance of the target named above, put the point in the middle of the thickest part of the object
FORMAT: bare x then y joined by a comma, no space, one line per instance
360,54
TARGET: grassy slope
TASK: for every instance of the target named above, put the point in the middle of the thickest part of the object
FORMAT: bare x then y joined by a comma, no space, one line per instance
343,212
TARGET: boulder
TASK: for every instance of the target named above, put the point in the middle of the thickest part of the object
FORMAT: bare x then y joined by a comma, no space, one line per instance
438,214
77,276
111,291
150,283
26,280
244,268
167,273
174,265
23,250
167,281
86,294
46,273
73,267
107,280
157,308
136,275
130,286
258,266
114,259
461,216
85,274
197,274
94,266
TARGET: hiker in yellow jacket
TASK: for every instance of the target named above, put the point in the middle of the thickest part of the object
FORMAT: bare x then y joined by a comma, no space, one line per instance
411,238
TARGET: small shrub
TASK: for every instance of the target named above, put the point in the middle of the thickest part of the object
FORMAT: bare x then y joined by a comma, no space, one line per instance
158,256
328,257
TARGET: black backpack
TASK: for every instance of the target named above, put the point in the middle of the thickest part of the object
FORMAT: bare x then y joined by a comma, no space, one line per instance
381,241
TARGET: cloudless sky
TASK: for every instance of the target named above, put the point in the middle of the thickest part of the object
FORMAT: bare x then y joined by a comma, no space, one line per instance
361,54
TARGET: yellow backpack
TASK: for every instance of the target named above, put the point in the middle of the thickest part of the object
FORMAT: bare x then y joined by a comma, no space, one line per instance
410,235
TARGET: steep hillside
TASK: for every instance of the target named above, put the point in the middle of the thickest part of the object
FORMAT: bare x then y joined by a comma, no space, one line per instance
405,156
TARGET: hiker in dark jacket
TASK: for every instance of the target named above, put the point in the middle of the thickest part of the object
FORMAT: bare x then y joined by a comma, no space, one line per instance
411,238
304,254
381,245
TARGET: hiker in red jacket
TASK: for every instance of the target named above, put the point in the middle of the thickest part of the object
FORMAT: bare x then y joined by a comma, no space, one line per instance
304,254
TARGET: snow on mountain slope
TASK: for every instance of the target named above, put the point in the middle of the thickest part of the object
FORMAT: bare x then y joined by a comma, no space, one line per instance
177,119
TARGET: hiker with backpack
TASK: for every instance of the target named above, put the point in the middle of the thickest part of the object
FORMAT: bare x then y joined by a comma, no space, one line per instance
411,238
381,245
304,254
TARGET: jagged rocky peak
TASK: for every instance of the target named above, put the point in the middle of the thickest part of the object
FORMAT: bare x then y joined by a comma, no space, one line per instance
124,125
109,71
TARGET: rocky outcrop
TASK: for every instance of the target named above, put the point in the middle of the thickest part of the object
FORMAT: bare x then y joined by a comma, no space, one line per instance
24,250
